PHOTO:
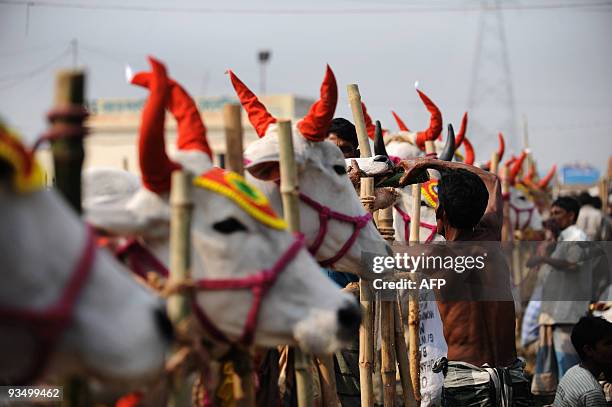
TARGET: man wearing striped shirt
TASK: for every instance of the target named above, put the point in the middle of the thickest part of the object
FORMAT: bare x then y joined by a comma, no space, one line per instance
592,339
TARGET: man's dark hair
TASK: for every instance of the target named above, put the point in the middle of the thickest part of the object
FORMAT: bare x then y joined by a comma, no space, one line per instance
569,204
596,202
345,130
464,197
588,331
584,199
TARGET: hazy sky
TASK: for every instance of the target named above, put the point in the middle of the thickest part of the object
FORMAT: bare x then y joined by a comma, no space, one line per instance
560,56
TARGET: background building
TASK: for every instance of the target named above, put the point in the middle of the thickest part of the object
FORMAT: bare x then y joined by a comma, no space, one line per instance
113,124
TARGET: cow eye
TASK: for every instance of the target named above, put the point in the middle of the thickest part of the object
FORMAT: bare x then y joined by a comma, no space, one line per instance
340,169
229,225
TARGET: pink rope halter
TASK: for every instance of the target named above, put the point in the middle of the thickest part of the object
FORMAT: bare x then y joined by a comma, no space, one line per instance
139,257
48,325
517,212
325,214
407,220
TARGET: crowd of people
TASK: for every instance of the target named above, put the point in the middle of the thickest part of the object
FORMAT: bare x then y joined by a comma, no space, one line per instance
572,347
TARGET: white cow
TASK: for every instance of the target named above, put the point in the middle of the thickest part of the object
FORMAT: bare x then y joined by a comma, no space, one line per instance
524,214
236,240
65,306
336,226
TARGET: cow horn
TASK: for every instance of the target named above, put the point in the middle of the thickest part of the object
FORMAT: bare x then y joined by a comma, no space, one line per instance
546,180
370,128
500,152
528,179
155,166
191,129
435,122
315,124
462,130
259,116
400,123
449,147
516,167
469,152
379,143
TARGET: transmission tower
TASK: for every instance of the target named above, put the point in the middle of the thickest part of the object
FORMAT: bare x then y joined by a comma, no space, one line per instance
491,104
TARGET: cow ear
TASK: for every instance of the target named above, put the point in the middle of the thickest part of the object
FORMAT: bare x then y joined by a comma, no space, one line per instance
264,170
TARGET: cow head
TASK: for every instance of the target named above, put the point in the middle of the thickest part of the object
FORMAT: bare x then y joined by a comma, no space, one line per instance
523,212
65,306
321,172
234,234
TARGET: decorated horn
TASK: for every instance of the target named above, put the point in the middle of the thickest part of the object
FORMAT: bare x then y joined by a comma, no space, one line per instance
400,123
546,180
528,179
469,152
516,167
462,130
435,122
370,128
191,129
259,116
155,166
315,124
379,143
449,147
500,152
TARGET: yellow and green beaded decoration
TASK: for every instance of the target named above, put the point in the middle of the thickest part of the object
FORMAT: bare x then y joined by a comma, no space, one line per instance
250,199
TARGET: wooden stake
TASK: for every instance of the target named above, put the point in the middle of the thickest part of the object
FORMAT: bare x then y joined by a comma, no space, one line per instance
68,153
233,160
290,193
413,301
362,135
388,363
366,331
494,162
233,138
401,351
181,207
604,185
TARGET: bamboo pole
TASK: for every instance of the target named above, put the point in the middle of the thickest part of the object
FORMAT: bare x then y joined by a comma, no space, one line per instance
494,163
362,135
413,302
401,351
604,185
233,137
181,207
366,331
290,193
388,363
244,393
68,153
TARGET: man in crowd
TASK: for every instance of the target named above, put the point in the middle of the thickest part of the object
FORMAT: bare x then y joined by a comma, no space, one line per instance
562,302
592,339
482,367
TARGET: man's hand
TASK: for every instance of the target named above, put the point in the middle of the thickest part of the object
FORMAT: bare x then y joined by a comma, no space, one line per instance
385,197
534,261
355,174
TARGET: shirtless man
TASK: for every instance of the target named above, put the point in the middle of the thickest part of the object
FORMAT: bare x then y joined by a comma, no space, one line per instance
477,332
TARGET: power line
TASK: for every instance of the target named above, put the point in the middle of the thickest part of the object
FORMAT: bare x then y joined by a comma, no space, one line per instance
18,78
595,5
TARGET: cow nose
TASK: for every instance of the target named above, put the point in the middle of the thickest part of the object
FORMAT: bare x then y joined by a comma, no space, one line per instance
389,250
380,159
349,319
163,324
